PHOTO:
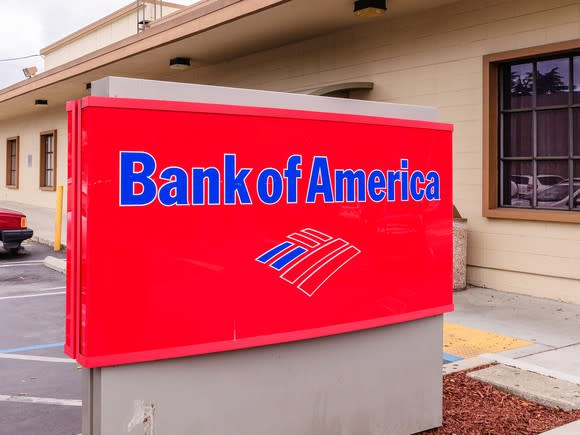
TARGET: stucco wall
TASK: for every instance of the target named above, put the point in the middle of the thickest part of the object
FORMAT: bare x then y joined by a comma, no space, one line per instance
29,129
104,35
435,59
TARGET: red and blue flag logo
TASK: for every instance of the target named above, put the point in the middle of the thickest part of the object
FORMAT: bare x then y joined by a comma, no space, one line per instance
308,258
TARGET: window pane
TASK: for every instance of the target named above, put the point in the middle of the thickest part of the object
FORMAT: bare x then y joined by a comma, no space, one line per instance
552,82
577,79
576,121
576,185
552,129
552,184
518,86
517,183
517,134
49,178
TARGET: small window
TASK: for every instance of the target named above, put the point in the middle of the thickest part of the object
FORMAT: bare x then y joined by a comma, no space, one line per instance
12,157
531,133
536,144
48,160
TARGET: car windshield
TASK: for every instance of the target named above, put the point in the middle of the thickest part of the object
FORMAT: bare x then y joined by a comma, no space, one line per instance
556,193
550,180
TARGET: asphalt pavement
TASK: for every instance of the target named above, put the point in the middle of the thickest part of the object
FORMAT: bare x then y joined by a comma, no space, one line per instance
40,387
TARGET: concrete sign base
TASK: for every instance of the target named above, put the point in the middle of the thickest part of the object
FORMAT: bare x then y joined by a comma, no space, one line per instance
384,380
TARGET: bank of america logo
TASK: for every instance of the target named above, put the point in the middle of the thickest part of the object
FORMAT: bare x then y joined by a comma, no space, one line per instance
308,258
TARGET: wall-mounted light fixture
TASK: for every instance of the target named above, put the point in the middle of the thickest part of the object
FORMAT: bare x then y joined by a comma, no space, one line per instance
370,8
88,86
180,63
41,102
30,71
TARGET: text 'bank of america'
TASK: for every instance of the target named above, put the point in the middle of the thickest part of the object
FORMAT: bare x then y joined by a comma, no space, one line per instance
143,183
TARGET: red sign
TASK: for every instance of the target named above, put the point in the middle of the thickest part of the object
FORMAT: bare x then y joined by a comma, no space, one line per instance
197,228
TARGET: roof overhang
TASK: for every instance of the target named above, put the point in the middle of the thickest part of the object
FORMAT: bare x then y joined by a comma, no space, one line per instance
108,19
208,32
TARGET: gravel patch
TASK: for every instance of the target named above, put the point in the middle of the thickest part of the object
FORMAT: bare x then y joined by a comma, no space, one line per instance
472,407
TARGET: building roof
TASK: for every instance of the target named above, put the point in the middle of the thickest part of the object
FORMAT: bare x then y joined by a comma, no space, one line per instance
101,23
209,32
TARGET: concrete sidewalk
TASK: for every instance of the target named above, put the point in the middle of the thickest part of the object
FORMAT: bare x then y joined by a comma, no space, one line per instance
550,329
536,343
40,219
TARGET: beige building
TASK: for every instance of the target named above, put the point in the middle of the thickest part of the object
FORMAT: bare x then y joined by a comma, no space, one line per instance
505,73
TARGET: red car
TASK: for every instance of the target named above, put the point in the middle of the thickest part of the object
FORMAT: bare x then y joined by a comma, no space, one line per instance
13,230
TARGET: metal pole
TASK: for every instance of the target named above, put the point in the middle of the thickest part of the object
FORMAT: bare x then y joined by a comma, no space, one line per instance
58,218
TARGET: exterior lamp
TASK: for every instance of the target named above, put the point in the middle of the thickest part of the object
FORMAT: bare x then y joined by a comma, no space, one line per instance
370,8
180,63
30,71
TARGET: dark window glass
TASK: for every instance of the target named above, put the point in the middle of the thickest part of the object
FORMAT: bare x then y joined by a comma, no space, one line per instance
517,185
576,125
48,163
540,133
577,80
552,184
518,86
517,134
552,129
12,163
552,82
576,194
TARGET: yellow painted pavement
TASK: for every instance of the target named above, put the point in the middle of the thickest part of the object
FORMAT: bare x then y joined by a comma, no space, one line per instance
466,342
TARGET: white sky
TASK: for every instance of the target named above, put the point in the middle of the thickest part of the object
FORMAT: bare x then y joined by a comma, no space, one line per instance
30,25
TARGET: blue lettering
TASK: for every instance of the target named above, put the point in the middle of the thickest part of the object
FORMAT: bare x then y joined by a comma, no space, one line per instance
350,178
174,192
292,175
235,182
404,180
376,185
130,177
417,191
270,177
199,175
432,190
392,177
319,183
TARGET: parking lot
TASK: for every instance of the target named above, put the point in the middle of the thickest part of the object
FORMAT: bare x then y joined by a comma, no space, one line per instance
40,387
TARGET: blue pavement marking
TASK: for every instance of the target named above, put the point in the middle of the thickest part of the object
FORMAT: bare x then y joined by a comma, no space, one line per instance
268,255
447,357
33,347
287,258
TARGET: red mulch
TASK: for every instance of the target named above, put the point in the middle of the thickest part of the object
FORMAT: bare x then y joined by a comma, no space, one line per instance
472,407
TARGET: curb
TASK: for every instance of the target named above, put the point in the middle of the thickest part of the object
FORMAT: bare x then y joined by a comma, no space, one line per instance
464,364
47,242
534,387
531,382
54,263
567,429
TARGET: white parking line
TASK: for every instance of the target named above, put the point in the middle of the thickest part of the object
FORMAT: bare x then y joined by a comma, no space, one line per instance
41,400
19,265
31,296
37,358
62,287
24,262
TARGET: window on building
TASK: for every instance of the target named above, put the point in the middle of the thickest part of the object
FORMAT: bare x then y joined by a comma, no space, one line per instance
533,153
48,160
12,156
